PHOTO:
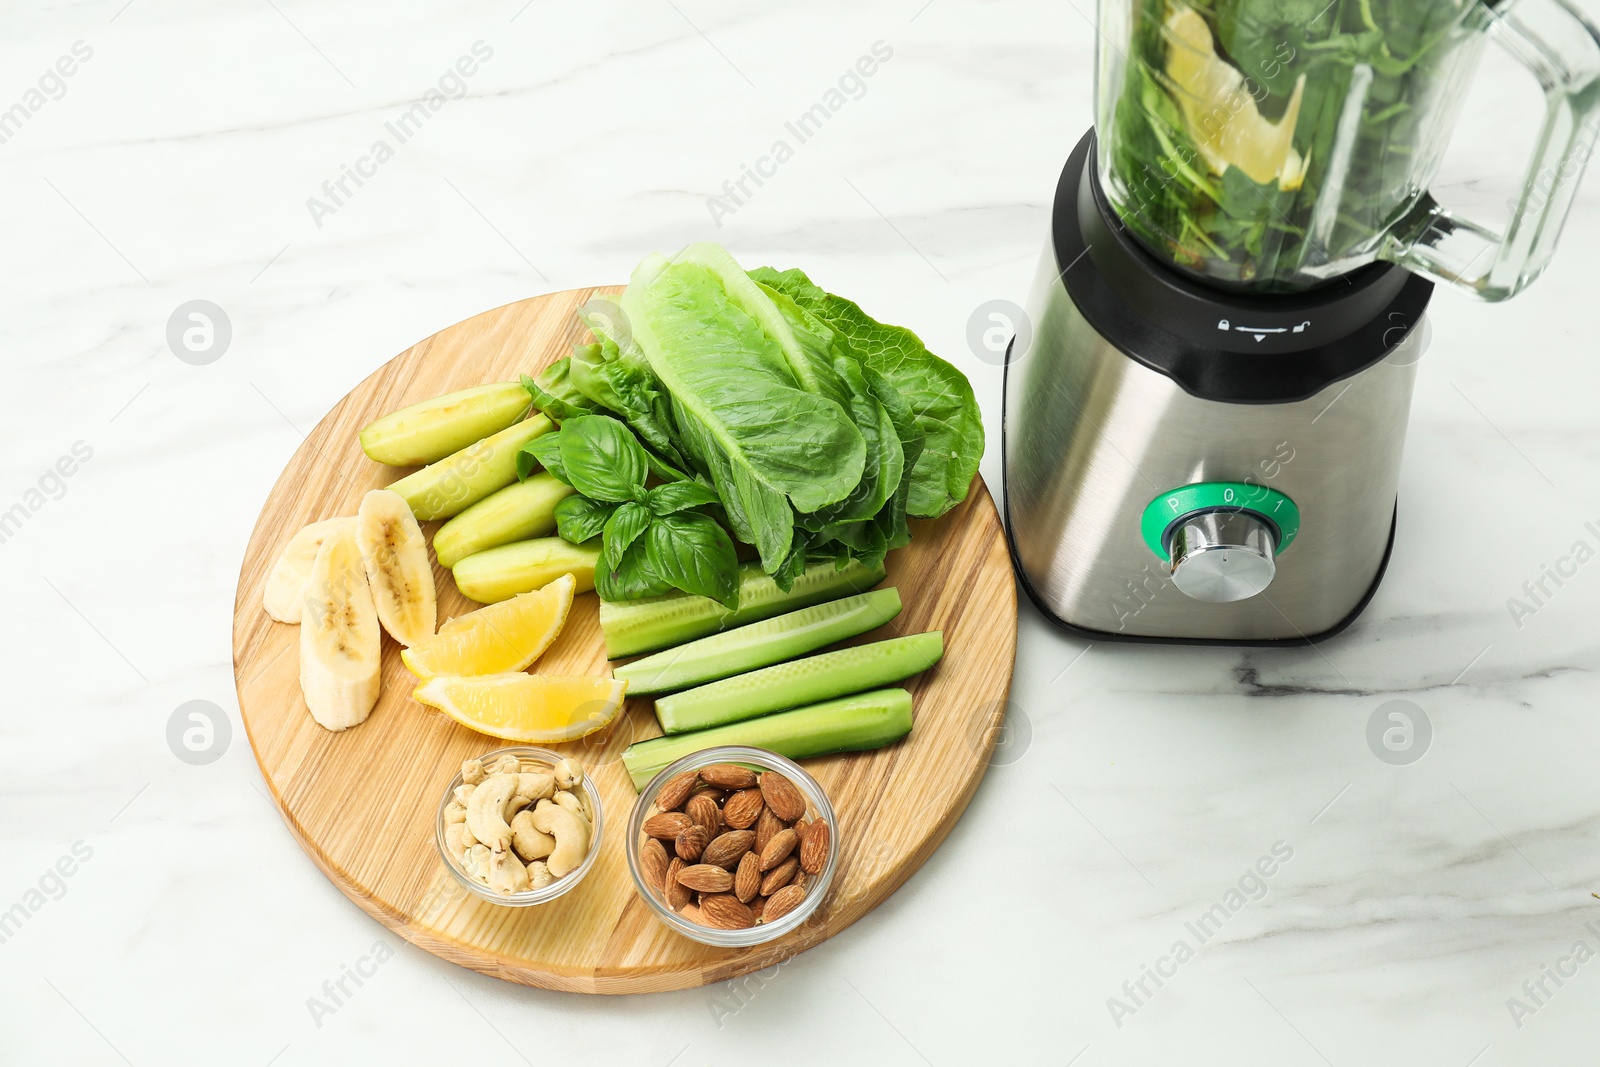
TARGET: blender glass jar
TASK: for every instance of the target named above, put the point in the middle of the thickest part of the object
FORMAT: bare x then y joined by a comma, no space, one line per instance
1271,145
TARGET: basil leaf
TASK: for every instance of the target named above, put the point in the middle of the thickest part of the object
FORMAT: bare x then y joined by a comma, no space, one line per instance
527,463
693,553
546,451
632,578
679,496
579,519
626,524
602,458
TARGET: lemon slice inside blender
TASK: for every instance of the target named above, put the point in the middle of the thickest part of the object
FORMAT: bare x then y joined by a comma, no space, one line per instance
1224,122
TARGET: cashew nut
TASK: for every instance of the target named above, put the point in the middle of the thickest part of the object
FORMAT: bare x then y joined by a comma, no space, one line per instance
463,794
539,875
570,831
506,872
472,771
573,804
530,843
453,842
475,861
506,764
454,813
486,810
569,772
532,787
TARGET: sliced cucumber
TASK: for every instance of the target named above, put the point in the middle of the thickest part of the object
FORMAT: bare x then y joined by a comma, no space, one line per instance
497,574
850,724
450,486
799,682
430,431
519,511
760,644
634,626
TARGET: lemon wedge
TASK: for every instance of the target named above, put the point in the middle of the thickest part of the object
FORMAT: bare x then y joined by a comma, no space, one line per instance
497,639
534,708
1223,119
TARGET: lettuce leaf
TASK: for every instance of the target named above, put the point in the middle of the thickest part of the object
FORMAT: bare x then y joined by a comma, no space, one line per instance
758,514
939,395
554,394
741,412
836,374
615,375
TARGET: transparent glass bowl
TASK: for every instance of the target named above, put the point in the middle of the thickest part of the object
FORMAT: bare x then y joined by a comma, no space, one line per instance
529,897
817,806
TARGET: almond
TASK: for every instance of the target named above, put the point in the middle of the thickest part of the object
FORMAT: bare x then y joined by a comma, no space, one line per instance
672,795
677,893
690,844
728,776
705,878
778,848
814,846
724,911
799,878
756,907
726,850
766,826
667,825
779,876
782,797
653,860
743,809
782,903
703,790
747,879
692,913
799,828
705,814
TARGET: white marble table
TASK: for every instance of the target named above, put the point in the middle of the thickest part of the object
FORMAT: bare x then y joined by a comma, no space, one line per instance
1139,784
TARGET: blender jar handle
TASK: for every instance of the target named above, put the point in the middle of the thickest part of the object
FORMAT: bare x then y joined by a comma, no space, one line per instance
1562,49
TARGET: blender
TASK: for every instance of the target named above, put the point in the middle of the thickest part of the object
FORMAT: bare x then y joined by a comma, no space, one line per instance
1202,442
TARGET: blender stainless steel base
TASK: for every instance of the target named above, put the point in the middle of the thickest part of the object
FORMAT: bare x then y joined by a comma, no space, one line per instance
1191,465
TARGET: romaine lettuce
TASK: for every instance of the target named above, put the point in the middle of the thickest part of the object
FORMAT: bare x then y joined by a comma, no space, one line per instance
940,396
735,381
761,404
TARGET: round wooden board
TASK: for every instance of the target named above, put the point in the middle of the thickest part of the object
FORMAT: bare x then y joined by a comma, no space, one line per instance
362,802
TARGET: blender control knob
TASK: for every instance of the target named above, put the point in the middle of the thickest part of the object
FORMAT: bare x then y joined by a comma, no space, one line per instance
1223,555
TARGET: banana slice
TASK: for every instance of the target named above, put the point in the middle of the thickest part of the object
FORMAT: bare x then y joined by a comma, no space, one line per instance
285,592
340,643
396,558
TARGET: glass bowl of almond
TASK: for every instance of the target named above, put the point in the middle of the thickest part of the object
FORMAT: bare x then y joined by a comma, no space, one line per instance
733,846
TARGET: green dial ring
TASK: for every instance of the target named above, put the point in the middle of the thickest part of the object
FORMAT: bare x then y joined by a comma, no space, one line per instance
1272,505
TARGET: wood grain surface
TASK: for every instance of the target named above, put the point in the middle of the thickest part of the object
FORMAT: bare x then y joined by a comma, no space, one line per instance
362,803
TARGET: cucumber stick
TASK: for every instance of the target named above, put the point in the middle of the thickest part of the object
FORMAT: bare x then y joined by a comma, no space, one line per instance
635,626
760,644
850,724
799,682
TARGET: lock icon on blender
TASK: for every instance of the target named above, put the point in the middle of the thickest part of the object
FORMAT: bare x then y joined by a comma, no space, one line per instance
1222,324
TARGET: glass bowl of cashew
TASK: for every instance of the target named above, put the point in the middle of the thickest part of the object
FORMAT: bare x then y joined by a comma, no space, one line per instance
519,826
